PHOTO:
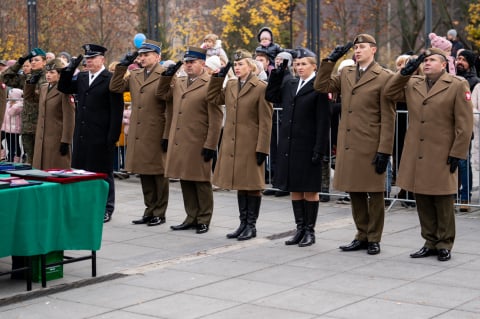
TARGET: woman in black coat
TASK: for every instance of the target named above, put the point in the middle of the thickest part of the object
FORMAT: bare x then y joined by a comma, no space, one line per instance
303,141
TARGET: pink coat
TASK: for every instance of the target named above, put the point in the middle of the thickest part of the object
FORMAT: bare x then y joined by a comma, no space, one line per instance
12,122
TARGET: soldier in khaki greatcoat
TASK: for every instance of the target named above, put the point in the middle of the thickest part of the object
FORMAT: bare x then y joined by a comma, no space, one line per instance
194,134
365,137
438,136
145,155
246,139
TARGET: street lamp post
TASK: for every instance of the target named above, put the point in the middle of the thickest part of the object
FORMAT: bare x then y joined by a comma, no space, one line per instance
313,26
32,24
152,19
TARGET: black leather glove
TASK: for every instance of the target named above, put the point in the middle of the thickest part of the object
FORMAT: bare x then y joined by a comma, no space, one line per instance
64,147
223,71
381,161
453,162
129,58
164,145
316,158
172,69
208,154
339,51
279,72
34,78
74,63
21,60
261,158
412,65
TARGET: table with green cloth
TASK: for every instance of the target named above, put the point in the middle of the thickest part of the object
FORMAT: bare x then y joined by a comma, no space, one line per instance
49,217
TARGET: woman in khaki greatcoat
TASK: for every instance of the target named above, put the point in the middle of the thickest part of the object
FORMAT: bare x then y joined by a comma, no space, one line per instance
246,139
56,121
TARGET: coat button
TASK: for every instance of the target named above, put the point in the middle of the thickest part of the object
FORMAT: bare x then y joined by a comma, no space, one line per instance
350,111
420,157
422,122
348,130
421,140
424,103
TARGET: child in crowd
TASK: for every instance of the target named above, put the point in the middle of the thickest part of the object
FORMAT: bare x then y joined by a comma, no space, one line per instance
213,45
265,39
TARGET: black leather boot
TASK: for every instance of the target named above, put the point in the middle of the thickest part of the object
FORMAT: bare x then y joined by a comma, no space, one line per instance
311,212
299,213
253,210
243,208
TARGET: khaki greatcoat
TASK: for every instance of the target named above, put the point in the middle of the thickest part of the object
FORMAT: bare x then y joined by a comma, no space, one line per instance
247,130
366,126
55,125
195,124
147,120
440,125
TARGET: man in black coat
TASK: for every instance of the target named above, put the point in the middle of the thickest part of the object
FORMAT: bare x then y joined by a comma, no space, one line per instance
98,117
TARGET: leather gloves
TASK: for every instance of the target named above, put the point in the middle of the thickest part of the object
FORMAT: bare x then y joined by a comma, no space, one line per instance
64,147
34,78
172,69
208,154
129,58
164,145
261,158
74,63
339,51
21,60
316,158
223,71
412,65
453,162
381,161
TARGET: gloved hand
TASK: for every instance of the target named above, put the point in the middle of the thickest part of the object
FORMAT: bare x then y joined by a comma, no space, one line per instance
381,161
164,145
261,158
172,69
339,51
453,162
208,154
129,58
412,65
316,158
74,63
280,71
64,147
34,78
223,71
21,60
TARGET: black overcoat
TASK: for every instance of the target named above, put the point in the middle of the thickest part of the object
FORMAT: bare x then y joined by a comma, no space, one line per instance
304,129
98,120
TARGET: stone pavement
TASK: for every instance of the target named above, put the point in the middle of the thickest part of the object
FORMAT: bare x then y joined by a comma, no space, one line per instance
153,272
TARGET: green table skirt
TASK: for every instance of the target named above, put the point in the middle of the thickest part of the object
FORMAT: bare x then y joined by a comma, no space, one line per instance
39,219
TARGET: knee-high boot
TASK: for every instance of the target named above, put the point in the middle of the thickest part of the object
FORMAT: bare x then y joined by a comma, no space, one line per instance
253,210
311,212
299,214
243,209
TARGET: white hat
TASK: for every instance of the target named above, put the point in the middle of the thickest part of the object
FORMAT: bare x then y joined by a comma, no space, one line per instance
213,62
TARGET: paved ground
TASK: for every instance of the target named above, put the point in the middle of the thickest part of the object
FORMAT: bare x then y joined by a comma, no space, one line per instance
153,272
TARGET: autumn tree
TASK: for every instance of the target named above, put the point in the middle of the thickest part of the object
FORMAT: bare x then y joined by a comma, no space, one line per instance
473,27
243,18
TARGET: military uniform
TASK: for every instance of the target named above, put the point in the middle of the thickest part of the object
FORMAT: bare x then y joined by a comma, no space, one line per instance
440,125
366,128
12,78
195,125
146,130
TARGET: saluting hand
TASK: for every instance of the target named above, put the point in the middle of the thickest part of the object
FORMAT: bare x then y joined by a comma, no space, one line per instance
339,51
172,69
412,65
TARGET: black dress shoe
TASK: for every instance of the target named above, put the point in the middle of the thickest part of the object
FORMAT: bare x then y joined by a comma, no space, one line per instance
143,220
202,228
182,226
424,252
269,192
355,245
444,255
281,193
156,221
107,217
324,198
373,248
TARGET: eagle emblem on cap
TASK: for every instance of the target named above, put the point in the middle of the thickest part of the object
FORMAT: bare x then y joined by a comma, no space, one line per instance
33,53
87,47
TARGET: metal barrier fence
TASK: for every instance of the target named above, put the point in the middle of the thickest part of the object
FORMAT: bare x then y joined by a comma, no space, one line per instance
469,170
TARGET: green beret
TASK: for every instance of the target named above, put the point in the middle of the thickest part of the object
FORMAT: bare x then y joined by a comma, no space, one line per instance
38,51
